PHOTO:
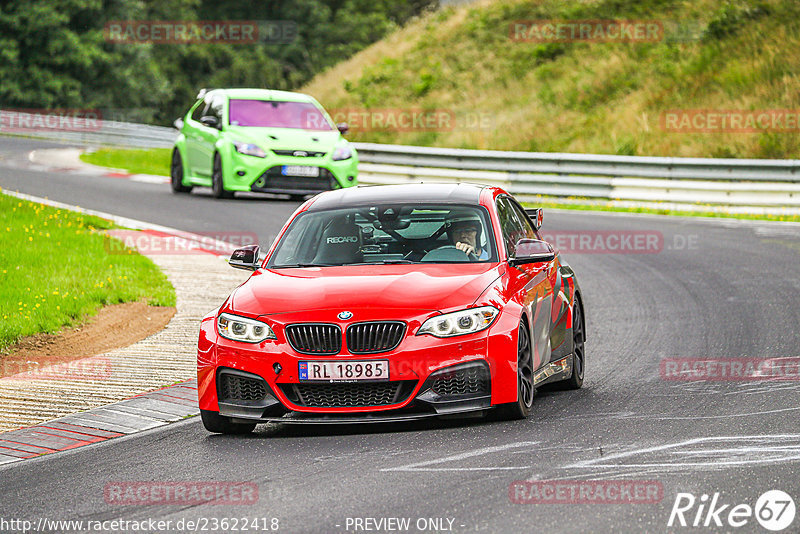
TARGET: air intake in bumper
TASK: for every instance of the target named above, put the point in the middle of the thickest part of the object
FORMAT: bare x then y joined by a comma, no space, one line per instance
348,394
458,387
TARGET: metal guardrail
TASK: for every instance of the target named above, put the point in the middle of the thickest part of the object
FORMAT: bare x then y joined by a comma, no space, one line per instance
731,182
724,182
105,133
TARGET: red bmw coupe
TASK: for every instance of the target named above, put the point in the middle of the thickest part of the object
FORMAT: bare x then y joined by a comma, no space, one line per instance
391,303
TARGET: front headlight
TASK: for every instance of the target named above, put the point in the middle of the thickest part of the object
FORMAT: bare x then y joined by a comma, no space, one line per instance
249,149
343,152
460,322
243,329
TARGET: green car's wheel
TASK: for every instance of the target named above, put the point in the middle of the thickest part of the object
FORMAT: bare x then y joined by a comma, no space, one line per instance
176,174
217,185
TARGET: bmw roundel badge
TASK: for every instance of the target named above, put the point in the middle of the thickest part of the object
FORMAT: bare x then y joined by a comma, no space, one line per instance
345,315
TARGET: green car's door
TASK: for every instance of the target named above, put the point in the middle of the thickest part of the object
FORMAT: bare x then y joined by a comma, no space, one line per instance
193,137
208,131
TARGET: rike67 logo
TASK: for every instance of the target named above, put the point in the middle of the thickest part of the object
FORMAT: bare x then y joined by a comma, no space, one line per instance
774,510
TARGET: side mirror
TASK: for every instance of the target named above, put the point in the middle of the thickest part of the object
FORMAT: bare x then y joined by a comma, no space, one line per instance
178,124
343,127
210,121
245,258
532,251
536,215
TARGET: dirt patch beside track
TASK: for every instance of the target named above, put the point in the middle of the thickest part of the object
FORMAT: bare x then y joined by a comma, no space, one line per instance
114,326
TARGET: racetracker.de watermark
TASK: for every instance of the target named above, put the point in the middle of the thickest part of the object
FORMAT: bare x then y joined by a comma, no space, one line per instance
618,241
49,120
592,31
200,31
95,368
157,243
404,119
730,121
606,242
729,369
585,492
185,493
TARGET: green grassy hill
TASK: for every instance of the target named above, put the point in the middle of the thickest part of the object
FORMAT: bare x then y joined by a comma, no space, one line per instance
595,97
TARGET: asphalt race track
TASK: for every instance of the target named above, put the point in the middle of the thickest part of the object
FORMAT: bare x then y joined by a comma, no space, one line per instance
710,289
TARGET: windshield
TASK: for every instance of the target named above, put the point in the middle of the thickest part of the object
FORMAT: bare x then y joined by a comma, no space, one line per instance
386,234
275,114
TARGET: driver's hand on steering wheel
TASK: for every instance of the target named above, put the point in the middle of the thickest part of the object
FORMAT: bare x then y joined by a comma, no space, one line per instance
465,247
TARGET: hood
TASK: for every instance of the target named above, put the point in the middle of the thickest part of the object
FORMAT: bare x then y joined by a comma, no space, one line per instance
287,138
442,287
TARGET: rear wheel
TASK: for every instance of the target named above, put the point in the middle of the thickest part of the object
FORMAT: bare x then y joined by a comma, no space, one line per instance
579,351
176,174
218,424
217,184
522,408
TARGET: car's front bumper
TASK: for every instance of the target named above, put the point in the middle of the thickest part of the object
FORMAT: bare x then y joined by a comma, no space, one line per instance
250,173
427,400
417,361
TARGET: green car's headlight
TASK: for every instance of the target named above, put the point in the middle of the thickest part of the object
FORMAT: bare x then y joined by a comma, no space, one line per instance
460,322
243,329
342,152
249,149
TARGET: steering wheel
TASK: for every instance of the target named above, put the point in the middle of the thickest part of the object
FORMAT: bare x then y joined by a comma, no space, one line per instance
470,255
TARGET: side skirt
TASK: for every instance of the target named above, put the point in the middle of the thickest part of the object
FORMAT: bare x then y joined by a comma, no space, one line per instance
553,372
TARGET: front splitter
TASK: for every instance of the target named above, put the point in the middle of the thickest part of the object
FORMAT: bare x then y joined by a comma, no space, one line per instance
316,419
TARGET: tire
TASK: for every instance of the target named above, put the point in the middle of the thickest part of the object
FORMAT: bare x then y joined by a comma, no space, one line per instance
218,424
579,350
176,174
525,391
217,184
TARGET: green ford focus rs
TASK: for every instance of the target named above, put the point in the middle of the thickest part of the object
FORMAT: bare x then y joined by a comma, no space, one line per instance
263,141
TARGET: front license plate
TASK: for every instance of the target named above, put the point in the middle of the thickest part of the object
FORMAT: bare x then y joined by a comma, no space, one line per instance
299,170
345,371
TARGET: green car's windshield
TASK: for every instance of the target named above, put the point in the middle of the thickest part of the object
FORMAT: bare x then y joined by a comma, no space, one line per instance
277,114
387,234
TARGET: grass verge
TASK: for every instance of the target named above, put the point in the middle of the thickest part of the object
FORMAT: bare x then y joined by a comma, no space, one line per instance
135,161
55,270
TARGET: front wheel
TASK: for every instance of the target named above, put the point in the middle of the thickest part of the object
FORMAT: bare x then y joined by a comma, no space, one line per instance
525,391
218,424
217,183
176,174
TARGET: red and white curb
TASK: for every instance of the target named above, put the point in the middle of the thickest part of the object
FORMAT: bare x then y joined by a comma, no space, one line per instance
139,413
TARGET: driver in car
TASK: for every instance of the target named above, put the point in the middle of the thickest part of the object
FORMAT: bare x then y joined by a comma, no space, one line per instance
464,230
